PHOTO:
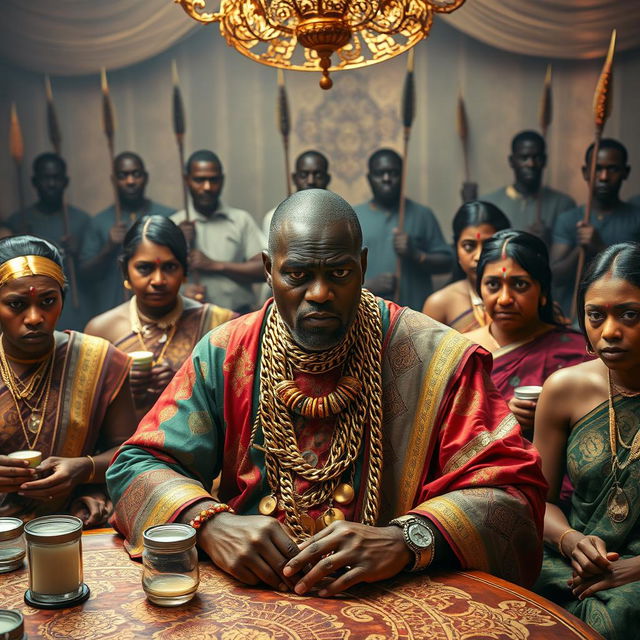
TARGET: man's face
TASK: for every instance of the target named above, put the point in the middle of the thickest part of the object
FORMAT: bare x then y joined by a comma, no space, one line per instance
611,172
384,178
527,163
317,276
131,180
205,181
311,173
50,181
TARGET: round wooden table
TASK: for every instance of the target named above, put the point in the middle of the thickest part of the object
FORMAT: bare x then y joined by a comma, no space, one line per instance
465,605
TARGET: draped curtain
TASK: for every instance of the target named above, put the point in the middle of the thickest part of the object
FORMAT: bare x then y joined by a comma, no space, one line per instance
74,37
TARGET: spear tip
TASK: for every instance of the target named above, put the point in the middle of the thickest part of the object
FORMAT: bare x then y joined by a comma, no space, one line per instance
280,78
103,80
410,60
612,46
174,73
548,75
47,88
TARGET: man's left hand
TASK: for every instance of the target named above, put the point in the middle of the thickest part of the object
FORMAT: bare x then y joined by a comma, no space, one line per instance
622,571
200,262
361,552
70,244
402,244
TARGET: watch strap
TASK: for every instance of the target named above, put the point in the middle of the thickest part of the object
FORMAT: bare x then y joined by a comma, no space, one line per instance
423,557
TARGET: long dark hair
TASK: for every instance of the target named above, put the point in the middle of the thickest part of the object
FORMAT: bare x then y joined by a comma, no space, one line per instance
159,230
24,245
473,214
621,260
530,253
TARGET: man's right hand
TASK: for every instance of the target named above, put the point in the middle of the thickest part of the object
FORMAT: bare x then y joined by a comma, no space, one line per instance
13,473
117,234
252,549
381,285
588,238
189,231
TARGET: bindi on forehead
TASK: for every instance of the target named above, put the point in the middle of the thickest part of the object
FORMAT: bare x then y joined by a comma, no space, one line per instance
32,292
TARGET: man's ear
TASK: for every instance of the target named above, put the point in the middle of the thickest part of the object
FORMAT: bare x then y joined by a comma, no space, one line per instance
510,160
266,262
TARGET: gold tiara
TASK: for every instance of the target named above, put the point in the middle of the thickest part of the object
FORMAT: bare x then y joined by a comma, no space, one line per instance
24,266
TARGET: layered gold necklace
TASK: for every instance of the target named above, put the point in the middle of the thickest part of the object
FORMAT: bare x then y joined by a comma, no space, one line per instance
357,404
33,393
141,325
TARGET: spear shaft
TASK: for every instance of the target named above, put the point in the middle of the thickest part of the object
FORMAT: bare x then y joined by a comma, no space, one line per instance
408,113
284,125
55,138
546,114
109,131
16,149
179,128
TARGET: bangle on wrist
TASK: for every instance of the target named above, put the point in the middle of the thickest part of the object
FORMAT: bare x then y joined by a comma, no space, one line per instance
207,514
562,535
92,475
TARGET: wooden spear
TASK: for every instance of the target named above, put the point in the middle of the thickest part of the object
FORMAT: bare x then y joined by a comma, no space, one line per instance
546,115
462,126
179,128
602,100
108,124
16,149
284,124
408,113
55,137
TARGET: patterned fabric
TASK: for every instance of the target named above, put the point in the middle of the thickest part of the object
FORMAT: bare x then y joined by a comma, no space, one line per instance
437,400
613,612
531,363
87,376
196,320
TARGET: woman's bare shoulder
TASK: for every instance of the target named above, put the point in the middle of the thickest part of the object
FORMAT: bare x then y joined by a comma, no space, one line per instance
110,325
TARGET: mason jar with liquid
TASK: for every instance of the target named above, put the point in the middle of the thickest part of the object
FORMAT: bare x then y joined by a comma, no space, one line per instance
170,564
12,547
54,551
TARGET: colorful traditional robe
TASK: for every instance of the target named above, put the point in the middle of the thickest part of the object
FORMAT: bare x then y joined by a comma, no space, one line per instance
196,320
87,376
452,450
613,612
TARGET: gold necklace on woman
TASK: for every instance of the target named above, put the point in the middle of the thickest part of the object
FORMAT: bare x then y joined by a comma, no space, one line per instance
618,502
31,394
168,324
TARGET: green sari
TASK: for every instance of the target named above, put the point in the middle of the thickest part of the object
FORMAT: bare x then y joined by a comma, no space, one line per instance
613,612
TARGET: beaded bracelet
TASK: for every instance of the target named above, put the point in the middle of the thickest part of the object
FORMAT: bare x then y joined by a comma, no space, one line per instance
564,533
207,514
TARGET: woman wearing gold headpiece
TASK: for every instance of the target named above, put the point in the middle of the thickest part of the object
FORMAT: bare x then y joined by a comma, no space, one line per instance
64,396
587,424
158,327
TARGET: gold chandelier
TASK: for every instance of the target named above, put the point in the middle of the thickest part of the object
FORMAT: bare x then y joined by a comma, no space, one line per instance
359,32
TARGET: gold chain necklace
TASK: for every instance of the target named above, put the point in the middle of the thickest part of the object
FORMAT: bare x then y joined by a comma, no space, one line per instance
37,417
618,502
169,321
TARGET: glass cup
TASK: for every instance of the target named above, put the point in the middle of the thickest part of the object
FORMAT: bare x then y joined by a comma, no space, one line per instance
530,392
12,548
54,550
170,564
11,625
34,458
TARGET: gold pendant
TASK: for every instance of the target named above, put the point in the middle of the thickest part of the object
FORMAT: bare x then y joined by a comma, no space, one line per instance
34,422
267,505
308,523
329,516
344,493
617,504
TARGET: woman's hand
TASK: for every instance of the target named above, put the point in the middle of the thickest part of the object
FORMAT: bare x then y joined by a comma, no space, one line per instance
139,379
13,473
622,571
161,376
588,554
93,508
61,476
524,411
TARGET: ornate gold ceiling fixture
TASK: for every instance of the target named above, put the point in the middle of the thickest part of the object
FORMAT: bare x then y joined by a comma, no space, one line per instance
359,32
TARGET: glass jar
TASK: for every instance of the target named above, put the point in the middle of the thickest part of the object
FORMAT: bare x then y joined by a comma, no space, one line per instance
11,625
170,564
12,550
54,550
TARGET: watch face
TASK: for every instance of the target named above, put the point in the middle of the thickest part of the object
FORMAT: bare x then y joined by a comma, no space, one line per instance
419,535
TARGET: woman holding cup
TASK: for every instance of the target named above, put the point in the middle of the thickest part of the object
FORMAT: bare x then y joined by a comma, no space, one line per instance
526,340
587,424
64,396
158,327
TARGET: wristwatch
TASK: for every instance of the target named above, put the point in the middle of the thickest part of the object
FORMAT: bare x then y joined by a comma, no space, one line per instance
418,536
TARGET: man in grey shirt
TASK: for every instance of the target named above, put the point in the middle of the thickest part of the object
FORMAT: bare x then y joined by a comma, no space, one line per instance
519,201
612,220
226,243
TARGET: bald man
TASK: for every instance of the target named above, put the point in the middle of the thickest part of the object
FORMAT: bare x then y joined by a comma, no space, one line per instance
334,414
103,243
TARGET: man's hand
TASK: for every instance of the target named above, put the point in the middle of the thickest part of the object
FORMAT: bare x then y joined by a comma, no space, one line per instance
382,285
140,381
199,261
93,509
402,244
161,376
62,475
189,231
588,238
13,473
117,234
70,245
252,549
524,411
622,571
469,191
366,554
589,555
195,291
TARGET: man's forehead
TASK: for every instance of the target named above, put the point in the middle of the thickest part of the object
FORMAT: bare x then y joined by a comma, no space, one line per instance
528,146
610,155
311,162
129,164
204,166
300,240
384,161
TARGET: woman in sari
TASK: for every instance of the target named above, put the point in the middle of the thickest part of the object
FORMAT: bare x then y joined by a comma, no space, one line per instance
157,319
587,424
527,342
63,394
458,305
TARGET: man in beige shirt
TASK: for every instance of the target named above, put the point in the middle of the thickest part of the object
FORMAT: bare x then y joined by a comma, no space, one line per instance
226,243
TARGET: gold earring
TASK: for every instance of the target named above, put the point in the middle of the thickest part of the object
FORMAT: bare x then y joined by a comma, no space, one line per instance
127,285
